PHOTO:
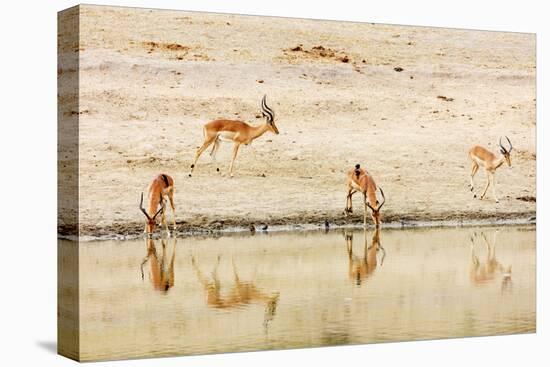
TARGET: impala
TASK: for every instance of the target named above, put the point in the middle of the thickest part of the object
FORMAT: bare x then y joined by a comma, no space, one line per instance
484,272
161,270
242,293
483,157
235,131
162,186
360,268
360,180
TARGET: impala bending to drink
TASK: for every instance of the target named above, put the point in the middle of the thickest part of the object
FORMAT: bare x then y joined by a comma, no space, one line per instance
360,268
162,186
360,180
483,157
235,131
161,270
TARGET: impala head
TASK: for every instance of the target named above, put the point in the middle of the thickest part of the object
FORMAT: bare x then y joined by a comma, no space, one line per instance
506,152
376,211
270,116
151,221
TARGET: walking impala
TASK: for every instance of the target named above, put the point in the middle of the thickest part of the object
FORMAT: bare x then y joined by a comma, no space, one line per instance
235,131
483,157
360,180
162,186
242,293
485,272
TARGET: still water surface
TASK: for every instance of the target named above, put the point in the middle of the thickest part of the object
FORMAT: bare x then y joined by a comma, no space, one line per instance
288,290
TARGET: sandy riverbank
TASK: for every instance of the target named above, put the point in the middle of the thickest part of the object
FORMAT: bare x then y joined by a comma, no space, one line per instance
405,102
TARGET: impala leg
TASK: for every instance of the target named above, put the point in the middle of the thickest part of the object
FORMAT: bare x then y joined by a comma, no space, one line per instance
235,151
215,273
474,258
202,278
349,201
494,187
235,274
473,172
203,147
365,210
171,198
214,152
349,245
487,245
163,219
486,186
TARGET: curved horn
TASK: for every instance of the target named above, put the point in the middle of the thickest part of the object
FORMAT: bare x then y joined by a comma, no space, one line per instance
161,208
502,149
266,111
379,205
141,207
383,199
383,254
509,142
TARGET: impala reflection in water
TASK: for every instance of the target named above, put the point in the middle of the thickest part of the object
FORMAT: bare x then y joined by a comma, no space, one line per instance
489,270
240,294
161,266
362,267
302,289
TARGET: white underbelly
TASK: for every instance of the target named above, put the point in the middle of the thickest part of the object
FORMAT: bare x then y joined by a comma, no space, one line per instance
226,135
478,161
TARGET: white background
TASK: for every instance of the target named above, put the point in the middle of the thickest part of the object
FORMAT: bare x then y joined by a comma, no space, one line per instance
28,181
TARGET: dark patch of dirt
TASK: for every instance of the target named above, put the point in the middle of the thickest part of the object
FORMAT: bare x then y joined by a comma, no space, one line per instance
152,46
317,52
181,52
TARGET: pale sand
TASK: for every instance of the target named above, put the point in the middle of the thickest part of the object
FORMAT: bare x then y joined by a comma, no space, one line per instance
143,105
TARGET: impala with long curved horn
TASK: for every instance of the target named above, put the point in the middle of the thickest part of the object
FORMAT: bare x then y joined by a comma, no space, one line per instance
480,156
362,267
161,270
161,186
238,132
485,272
241,294
358,179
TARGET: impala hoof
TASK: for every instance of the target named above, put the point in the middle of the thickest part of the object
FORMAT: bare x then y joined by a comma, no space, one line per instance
189,175
217,170
475,196
496,201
